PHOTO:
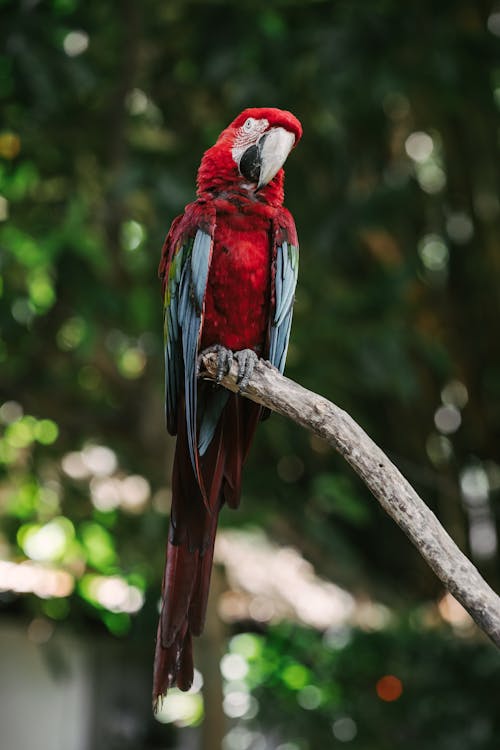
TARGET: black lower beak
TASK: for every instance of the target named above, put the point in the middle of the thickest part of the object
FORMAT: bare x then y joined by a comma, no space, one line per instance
251,161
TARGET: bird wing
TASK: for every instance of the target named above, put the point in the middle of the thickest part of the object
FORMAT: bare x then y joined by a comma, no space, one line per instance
184,268
284,280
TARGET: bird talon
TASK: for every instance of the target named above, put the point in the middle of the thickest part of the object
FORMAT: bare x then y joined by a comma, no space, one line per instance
247,359
224,360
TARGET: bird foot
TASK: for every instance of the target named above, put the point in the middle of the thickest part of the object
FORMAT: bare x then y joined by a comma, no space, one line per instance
224,360
246,359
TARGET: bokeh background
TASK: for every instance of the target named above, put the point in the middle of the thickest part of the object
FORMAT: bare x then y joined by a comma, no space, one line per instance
325,627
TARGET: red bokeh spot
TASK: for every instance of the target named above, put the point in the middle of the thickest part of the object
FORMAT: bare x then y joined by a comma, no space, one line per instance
389,688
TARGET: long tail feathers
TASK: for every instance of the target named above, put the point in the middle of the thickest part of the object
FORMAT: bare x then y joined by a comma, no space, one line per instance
191,540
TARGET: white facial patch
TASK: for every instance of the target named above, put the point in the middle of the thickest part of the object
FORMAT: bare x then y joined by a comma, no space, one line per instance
248,134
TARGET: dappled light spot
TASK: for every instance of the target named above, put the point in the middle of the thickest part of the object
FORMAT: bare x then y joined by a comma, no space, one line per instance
241,738
113,593
40,630
459,227
22,311
132,362
344,729
10,411
475,488
46,431
133,235
296,676
261,609
21,433
439,449
181,709
105,493
452,612
4,208
455,393
233,606
433,252
136,102
447,419
493,23
135,493
98,544
474,485
483,538
237,703
117,623
75,43
431,177
41,290
29,577
248,645
47,542
71,333
10,145
233,667
493,473
116,595
419,146
371,616
74,466
280,577
337,638
389,688
162,500
99,460
309,697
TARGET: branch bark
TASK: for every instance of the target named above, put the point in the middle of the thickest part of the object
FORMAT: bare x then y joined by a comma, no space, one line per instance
394,493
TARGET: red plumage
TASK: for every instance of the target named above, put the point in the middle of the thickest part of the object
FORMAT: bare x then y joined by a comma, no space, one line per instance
247,228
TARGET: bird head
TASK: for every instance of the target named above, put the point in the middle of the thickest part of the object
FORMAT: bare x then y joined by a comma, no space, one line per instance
249,154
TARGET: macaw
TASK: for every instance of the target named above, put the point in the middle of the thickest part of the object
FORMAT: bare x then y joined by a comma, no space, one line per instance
228,271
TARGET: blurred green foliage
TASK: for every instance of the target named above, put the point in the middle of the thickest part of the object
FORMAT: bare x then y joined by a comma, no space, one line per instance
105,111
323,691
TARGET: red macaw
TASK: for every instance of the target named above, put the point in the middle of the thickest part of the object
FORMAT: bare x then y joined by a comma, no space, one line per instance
228,269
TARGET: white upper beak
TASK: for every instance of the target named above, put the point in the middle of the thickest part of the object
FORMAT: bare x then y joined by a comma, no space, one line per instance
277,144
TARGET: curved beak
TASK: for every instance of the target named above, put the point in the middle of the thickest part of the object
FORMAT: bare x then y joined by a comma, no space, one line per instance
262,161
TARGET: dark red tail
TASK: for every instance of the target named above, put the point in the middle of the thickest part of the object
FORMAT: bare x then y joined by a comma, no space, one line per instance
190,547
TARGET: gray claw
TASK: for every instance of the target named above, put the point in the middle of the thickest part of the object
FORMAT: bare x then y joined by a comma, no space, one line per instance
224,359
224,362
247,359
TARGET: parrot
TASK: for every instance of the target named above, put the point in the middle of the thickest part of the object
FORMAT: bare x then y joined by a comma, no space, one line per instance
228,273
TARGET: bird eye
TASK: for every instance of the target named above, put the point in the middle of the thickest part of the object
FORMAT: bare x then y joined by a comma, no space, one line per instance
249,123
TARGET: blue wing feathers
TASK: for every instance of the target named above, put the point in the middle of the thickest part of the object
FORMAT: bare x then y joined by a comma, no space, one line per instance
210,418
184,300
200,263
285,280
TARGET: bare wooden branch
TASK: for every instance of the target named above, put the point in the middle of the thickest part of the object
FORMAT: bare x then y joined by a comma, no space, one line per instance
398,498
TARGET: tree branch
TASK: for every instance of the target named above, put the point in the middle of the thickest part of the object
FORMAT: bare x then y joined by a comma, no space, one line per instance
394,493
